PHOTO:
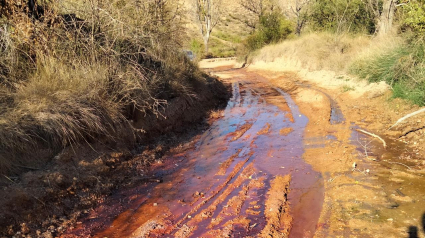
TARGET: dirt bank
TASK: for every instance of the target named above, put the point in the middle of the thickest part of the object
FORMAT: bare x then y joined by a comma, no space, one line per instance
45,201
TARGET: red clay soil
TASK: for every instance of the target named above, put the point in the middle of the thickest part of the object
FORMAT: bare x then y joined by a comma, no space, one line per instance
277,212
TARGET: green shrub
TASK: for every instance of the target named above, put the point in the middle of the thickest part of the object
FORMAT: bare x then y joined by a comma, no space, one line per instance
403,68
414,16
342,16
273,27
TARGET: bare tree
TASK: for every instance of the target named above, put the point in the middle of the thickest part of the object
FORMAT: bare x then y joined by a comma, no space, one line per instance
208,13
255,9
301,19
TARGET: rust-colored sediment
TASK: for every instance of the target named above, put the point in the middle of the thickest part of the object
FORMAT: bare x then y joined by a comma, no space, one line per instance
235,171
225,165
265,130
277,209
233,183
241,131
285,131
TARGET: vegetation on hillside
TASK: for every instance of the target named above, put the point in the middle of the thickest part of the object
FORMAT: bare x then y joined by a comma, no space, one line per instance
380,40
71,71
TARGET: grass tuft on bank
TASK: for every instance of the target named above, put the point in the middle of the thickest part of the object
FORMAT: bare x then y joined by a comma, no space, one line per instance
74,72
401,67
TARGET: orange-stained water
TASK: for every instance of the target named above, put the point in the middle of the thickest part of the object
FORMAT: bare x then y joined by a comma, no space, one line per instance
225,179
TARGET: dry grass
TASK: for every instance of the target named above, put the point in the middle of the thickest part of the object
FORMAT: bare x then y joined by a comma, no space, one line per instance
317,51
325,51
63,83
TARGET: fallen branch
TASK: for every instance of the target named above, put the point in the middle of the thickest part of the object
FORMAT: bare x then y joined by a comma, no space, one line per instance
373,135
407,116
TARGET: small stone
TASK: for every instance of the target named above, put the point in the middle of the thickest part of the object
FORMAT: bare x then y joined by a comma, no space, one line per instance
155,204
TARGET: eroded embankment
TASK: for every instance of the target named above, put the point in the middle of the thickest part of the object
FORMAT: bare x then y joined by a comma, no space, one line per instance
242,178
47,199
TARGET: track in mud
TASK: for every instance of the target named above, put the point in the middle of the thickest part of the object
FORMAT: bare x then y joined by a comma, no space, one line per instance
245,177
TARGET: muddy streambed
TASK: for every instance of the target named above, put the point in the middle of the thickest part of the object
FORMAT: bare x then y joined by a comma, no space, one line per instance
244,177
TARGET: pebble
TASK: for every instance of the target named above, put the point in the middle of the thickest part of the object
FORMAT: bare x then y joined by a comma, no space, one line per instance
155,204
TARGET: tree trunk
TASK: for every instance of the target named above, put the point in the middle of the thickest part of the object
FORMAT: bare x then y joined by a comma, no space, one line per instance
206,39
385,21
300,24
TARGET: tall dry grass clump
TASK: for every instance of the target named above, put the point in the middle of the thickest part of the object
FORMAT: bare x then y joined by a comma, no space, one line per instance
317,51
73,70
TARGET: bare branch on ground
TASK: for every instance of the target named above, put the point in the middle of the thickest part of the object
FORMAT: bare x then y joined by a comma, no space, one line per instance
373,135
